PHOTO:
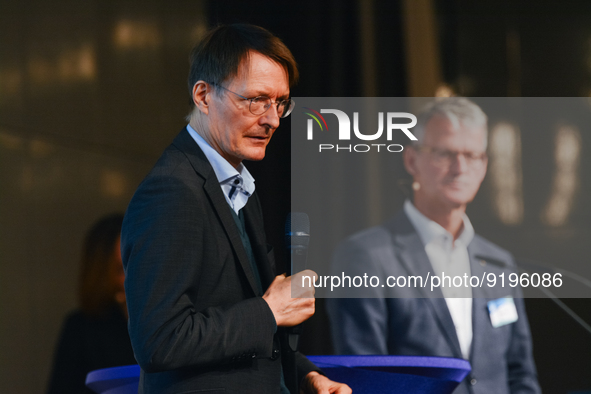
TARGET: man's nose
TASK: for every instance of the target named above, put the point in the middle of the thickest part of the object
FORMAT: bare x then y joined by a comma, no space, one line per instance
459,163
271,117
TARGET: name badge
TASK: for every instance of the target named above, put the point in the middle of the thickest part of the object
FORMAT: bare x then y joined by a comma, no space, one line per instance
502,311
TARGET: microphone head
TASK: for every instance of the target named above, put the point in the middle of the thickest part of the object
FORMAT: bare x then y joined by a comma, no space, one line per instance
297,230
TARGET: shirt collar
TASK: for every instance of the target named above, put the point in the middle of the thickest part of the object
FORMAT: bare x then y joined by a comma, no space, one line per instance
224,171
429,230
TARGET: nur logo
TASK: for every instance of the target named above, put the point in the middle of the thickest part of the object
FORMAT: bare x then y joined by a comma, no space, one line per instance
316,119
344,133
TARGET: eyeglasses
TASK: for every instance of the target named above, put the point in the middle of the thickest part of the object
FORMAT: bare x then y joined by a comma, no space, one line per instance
444,157
260,104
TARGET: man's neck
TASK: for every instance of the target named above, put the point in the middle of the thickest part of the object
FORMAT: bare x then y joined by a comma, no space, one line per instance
450,218
197,124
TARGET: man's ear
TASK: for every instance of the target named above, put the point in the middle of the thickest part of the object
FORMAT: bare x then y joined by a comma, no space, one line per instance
409,156
201,92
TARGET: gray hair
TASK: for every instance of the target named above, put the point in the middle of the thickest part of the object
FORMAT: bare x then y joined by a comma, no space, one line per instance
455,109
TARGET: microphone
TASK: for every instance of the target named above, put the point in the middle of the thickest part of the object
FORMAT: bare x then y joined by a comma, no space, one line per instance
532,266
529,266
297,238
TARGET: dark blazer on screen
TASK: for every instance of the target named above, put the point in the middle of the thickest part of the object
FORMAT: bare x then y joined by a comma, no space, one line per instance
196,319
413,321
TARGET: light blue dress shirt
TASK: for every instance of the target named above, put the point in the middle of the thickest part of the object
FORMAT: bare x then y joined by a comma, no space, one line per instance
237,184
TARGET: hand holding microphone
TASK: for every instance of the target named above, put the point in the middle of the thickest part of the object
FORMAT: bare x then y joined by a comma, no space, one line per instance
290,301
291,309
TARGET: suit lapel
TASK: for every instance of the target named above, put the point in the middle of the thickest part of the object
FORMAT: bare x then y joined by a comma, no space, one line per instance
479,266
254,227
412,255
185,143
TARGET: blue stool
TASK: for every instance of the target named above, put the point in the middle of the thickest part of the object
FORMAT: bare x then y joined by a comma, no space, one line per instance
395,374
364,374
117,380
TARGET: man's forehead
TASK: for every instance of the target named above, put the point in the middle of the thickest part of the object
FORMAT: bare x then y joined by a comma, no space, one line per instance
253,65
244,66
464,131
443,125
248,58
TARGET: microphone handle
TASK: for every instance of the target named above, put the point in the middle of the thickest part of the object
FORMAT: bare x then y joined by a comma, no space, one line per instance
298,257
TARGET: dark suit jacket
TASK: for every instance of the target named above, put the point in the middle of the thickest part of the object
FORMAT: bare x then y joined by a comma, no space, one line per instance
196,320
415,322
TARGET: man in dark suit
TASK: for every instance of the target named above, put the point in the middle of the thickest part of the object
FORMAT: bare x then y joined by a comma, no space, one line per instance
433,236
206,312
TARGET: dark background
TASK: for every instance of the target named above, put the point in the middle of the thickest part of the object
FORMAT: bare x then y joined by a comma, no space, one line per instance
91,92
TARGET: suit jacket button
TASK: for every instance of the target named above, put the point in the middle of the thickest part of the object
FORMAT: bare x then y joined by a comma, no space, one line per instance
275,354
473,382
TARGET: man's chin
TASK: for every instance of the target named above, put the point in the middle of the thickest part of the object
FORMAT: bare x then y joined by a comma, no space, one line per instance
457,200
255,154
